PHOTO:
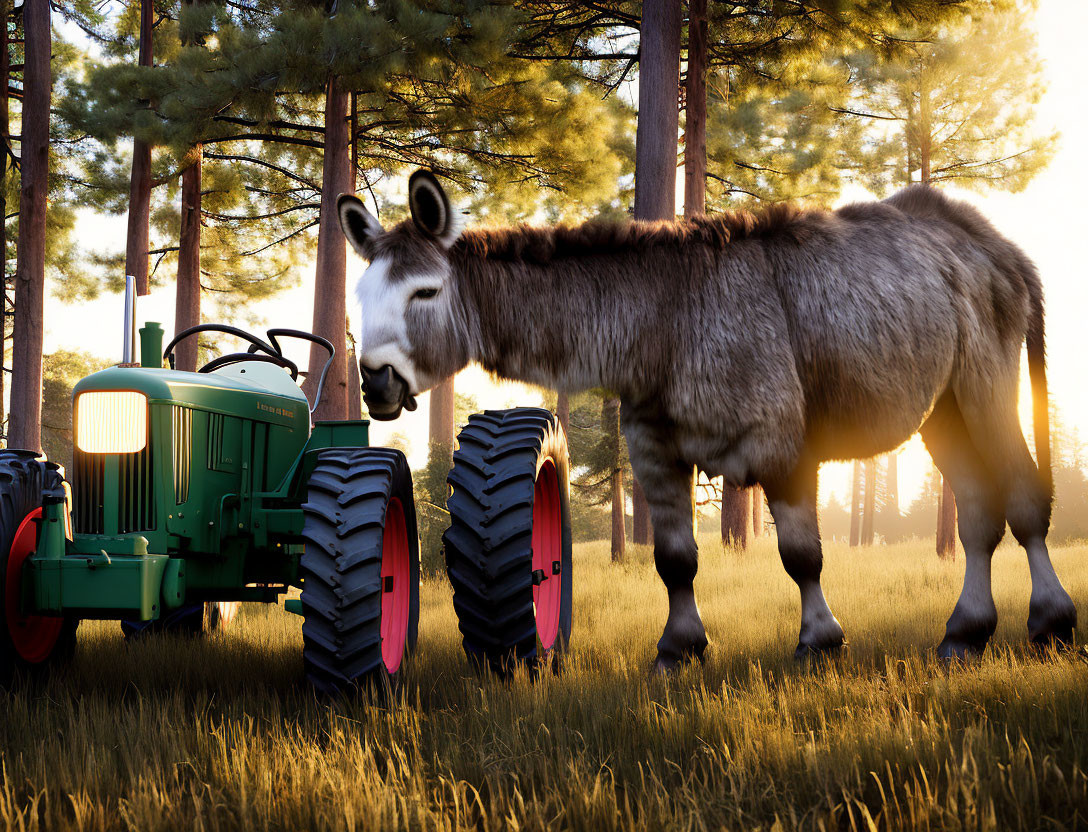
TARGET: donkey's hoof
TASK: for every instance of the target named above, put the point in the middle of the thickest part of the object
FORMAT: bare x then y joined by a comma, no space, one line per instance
820,652
952,650
669,661
1052,625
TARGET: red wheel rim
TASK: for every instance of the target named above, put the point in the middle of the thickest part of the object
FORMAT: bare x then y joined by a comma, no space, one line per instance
396,586
547,555
32,636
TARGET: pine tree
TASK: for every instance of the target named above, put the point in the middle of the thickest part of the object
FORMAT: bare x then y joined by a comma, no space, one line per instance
599,465
5,166
868,519
26,112
856,503
441,420
612,445
434,85
26,382
562,411
330,281
187,303
139,200
955,103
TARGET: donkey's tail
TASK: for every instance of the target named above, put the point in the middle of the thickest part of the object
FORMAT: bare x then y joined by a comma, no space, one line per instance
1040,400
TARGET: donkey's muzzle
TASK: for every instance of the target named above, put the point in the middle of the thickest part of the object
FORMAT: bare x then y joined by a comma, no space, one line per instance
385,392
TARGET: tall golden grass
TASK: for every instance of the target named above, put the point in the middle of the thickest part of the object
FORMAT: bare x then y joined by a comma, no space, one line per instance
221,734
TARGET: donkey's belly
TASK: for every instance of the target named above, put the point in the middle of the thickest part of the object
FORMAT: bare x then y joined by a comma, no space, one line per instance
873,412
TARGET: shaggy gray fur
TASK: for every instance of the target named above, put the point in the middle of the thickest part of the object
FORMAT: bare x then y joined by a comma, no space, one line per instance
757,347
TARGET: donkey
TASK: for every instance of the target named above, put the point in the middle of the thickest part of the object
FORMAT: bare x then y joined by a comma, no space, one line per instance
754,346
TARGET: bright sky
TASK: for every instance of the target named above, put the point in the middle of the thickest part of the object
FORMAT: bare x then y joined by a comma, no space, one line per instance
1047,220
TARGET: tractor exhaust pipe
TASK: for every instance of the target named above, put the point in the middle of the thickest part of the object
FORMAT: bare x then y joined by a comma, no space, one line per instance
128,349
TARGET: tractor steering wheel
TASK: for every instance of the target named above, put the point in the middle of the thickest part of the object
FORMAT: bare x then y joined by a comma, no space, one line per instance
257,343
252,355
259,350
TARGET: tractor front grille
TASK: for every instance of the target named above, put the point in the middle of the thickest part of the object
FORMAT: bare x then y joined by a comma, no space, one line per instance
135,492
136,509
183,451
88,473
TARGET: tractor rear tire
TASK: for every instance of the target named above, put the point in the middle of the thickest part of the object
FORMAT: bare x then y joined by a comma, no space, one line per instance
29,644
360,570
508,547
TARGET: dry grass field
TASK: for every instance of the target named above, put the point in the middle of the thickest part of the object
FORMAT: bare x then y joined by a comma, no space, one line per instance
221,734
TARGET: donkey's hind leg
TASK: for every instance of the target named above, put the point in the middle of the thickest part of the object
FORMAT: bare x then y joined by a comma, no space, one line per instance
989,412
981,526
793,506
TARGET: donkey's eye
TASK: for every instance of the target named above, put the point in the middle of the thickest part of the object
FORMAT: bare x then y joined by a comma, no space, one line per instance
424,294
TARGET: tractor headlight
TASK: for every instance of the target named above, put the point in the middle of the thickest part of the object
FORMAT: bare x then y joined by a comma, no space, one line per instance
111,422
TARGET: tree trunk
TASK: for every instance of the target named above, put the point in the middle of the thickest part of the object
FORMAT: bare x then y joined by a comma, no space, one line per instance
355,379
891,488
353,139
695,114
187,303
695,502
26,378
655,137
925,129
5,133
757,511
562,412
441,420
655,147
610,424
355,385
139,198
330,309
855,506
642,531
619,534
868,531
946,523
736,516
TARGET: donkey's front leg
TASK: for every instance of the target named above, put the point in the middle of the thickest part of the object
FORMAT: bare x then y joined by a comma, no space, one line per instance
667,483
676,557
793,506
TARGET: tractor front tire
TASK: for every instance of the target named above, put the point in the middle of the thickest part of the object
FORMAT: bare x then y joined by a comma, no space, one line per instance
360,570
508,547
29,644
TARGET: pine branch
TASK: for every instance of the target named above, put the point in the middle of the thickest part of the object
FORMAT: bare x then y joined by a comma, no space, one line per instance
231,157
276,125
241,217
283,239
267,137
958,166
849,112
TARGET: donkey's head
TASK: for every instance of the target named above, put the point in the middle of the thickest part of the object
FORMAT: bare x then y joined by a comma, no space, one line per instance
413,327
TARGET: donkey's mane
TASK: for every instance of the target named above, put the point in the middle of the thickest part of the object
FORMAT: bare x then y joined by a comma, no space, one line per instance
532,244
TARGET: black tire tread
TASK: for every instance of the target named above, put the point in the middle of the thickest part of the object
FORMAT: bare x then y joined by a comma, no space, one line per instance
344,520
488,545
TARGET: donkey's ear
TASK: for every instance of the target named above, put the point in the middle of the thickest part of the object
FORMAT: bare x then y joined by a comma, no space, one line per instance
431,209
357,223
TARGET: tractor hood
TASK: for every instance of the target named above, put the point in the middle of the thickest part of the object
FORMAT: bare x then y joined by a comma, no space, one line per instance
246,391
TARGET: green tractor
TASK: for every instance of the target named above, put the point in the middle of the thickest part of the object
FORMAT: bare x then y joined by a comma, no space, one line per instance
193,489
